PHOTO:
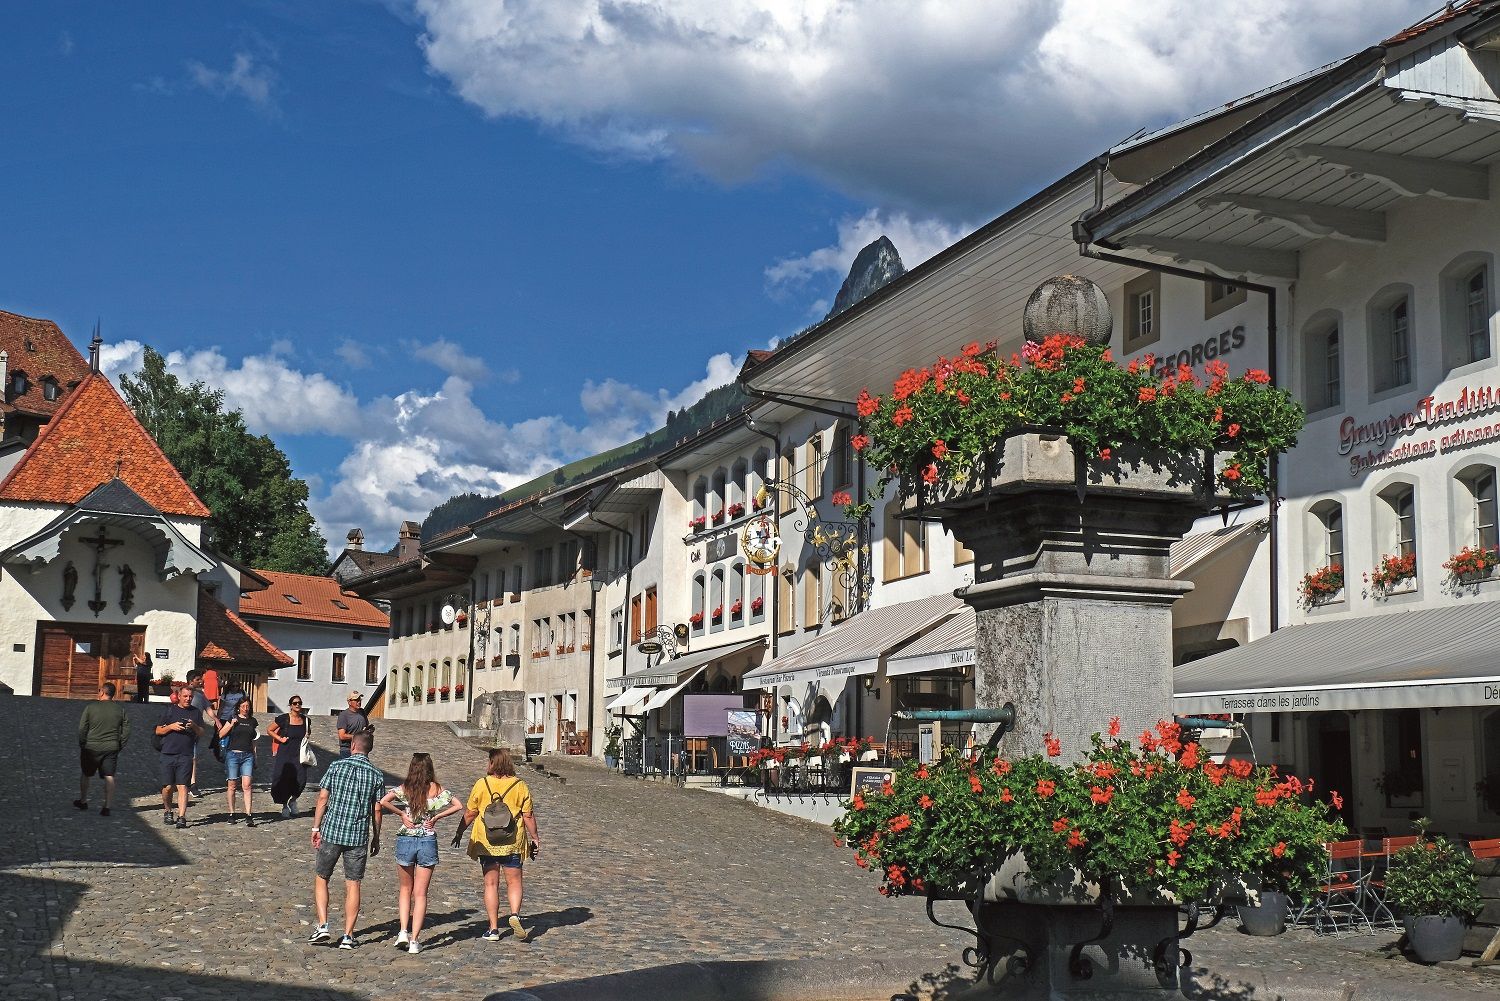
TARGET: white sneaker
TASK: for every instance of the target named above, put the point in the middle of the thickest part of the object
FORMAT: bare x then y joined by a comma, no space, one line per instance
402,939
319,934
414,948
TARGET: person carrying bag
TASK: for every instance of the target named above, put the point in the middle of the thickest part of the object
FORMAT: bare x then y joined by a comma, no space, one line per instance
502,835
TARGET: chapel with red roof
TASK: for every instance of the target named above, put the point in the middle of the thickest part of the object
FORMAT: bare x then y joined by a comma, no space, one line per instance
103,546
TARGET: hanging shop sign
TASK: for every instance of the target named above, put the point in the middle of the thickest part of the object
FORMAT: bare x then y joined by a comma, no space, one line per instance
760,544
1373,444
722,547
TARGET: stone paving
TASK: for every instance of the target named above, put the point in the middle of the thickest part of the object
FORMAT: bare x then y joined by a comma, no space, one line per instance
634,875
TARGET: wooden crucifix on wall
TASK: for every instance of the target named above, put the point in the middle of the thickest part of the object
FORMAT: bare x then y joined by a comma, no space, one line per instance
100,543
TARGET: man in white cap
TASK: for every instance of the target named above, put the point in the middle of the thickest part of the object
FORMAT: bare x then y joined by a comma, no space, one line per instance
350,722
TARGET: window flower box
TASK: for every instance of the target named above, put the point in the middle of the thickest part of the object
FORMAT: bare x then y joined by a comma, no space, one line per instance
718,614
737,610
736,509
697,524
432,695
756,504
757,606
1322,585
1471,564
458,691
696,619
719,517
497,661
1392,575
444,693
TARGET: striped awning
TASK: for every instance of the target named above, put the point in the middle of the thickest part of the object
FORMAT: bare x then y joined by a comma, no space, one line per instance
856,645
628,699
666,695
670,672
949,646
1192,550
1424,658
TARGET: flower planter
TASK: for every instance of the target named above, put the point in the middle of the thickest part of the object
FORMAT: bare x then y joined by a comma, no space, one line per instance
1066,950
1434,938
1266,918
611,761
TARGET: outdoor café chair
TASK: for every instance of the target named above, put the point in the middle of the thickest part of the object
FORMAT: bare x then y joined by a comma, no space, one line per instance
1337,902
1377,907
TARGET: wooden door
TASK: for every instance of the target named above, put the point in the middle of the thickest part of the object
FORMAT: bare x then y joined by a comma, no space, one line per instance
74,659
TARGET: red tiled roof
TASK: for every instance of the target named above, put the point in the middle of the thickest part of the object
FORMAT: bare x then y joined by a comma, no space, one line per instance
1436,20
315,602
224,637
79,449
39,349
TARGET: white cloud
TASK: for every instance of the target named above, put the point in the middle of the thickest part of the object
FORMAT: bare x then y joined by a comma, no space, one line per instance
939,107
246,77
915,240
259,386
353,354
454,359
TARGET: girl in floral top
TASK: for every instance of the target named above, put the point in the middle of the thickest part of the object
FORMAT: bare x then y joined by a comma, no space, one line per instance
420,802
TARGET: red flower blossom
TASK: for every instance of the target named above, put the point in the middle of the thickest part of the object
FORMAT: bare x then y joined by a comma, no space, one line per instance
1101,797
1060,824
1105,770
962,397
975,784
1336,800
1266,797
1076,839
901,416
1189,758
1178,833
1054,746
925,802
1172,858
858,802
867,404
842,497
1001,767
899,824
1240,768
1233,430
1147,394
1005,796
860,442
1104,455
1185,799
922,772
1078,385
972,349
939,449
1045,788
1280,849
930,474
1114,727
1257,375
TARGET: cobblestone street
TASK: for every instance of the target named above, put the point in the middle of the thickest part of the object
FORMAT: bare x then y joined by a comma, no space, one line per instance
634,875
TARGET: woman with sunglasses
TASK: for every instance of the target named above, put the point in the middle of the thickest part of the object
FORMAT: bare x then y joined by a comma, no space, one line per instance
288,773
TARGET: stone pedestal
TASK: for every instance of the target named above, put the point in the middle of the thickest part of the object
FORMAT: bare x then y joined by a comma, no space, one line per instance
503,713
1072,587
1038,956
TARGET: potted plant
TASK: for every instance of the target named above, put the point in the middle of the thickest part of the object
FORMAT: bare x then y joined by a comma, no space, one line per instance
1471,564
458,691
1393,571
416,693
737,610
697,524
696,619
461,618
719,516
432,695
1432,883
1322,585
1400,783
718,613
612,734
757,606
736,509
444,692
1156,824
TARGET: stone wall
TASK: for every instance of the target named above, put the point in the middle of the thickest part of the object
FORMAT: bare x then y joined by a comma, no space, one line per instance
1484,928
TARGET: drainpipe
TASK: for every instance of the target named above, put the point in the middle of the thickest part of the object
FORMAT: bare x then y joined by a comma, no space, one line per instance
1085,239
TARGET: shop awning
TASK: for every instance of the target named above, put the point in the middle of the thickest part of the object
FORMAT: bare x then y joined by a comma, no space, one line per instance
1426,658
666,695
949,646
855,645
627,698
1188,552
670,672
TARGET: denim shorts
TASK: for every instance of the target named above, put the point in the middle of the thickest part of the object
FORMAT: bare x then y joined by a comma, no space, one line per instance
417,849
488,862
239,764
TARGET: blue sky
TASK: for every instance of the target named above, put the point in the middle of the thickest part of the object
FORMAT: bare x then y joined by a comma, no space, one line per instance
446,244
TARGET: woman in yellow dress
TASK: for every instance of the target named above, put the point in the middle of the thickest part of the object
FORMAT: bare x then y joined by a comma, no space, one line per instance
504,854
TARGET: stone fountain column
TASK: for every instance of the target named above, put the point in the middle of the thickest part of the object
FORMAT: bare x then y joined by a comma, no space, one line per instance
1074,603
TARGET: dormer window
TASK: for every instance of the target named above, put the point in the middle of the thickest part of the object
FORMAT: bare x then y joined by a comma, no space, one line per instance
50,389
292,598
339,604
18,383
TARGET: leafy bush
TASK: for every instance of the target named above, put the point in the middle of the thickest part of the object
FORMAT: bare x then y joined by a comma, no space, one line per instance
1433,876
1162,818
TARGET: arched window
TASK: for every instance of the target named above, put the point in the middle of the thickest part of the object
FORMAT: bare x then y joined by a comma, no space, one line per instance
736,611
699,600
700,499
1326,535
407,683
786,471
755,602
762,476
718,500
739,485
904,549
1396,520
1391,338
1476,508
1468,309
448,674
716,611
392,686
1323,367
813,483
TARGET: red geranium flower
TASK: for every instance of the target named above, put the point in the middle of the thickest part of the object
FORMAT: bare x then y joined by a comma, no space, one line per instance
925,802
1185,799
1060,824
939,449
1114,727
930,474
1045,788
1054,746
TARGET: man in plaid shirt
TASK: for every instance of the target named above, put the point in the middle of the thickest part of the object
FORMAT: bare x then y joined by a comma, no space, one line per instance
341,829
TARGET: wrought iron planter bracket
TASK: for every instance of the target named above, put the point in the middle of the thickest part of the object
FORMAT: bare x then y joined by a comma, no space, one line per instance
1168,954
980,955
1079,965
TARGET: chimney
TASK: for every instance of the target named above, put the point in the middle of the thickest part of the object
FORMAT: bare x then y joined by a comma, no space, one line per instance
94,346
4,375
408,540
356,538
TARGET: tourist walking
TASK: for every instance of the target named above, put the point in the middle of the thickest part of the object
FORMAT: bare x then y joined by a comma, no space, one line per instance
204,707
177,736
288,773
499,845
342,824
103,730
420,802
351,721
142,661
238,734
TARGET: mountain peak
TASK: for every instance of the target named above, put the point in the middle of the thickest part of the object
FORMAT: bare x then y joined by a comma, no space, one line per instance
874,266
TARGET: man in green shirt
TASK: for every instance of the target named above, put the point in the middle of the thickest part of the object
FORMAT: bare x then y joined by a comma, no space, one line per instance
102,732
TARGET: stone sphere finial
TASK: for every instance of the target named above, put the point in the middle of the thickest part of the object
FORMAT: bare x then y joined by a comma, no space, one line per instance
1068,304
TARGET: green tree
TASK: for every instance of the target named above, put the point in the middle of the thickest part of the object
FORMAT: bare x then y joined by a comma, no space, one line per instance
260,516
